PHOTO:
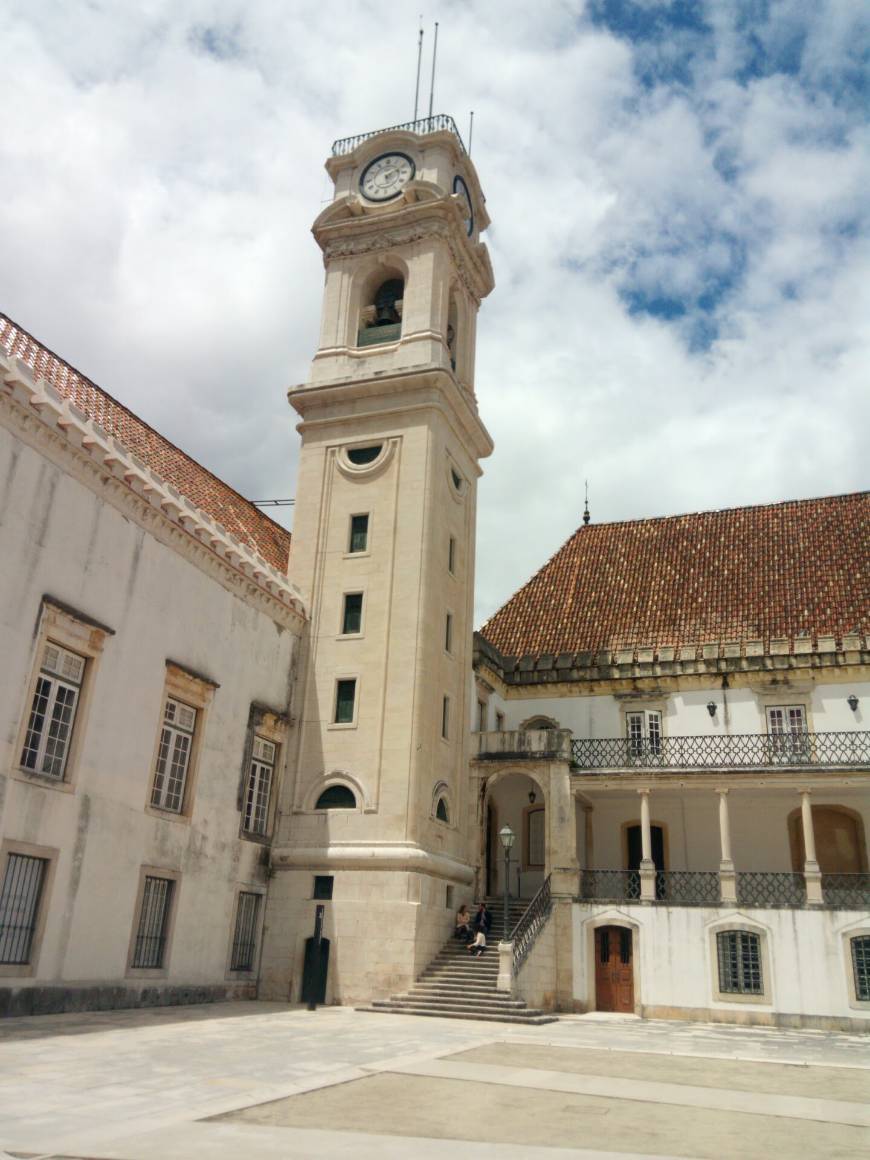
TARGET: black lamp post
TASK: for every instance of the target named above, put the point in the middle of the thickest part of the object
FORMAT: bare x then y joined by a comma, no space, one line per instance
507,839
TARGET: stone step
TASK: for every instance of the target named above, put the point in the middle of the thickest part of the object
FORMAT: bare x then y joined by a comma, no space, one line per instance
485,1003
452,987
528,1018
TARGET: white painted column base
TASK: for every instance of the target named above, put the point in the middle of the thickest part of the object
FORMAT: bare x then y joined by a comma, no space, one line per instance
505,966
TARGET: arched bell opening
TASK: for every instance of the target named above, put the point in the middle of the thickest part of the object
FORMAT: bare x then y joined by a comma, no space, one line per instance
380,318
518,801
453,329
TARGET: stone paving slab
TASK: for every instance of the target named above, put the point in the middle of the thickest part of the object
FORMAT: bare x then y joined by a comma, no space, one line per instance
136,1085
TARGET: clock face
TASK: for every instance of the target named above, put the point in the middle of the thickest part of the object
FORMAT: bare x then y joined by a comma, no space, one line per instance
461,188
384,177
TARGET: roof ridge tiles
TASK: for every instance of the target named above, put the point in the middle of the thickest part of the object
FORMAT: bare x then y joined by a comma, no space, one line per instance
261,533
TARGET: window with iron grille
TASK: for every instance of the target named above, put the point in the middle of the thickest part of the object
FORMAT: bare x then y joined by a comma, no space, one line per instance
245,934
260,777
787,728
52,713
173,756
739,954
150,945
644,731
861,967
19,906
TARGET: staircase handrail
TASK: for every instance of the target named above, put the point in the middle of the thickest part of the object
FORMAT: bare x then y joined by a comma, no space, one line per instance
533,918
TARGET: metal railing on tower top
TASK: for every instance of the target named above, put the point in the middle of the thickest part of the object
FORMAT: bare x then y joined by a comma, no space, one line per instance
440,122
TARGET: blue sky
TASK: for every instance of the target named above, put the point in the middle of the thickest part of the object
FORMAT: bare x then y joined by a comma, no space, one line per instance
678,194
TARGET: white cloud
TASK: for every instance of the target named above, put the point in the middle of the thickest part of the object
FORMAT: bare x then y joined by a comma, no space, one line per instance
162,163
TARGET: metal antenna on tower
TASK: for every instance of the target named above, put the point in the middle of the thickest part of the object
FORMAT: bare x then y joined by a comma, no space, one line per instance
470,129
432,86
419,60
586,516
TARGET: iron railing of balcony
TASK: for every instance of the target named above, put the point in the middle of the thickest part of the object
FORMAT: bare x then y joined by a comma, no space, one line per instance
438,123
772,890
532,919
846,891
688,887
610,886
724,751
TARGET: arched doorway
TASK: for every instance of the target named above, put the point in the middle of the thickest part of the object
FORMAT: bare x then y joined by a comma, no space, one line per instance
516,800
840,844
614,969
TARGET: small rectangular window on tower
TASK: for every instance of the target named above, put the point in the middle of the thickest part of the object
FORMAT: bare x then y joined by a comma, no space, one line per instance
451,555
351,620
445,717
359,533
481,716
345,697
448,633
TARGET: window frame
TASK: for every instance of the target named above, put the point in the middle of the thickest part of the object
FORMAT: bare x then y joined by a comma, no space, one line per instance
643,745
49,856
788,746
249,972
253,783
344,632
339,680
451,555
195,692
499,721
848,937
528,811
349,550
173,876
448,633
445,717
77,633
764,997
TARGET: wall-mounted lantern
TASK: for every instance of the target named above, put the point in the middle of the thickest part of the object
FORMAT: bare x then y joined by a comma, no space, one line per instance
711,708
532,797
852,702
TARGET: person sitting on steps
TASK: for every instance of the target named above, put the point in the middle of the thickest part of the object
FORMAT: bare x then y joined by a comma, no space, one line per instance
463,924
477,948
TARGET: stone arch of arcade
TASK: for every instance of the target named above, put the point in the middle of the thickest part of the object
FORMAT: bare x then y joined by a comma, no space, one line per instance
515,796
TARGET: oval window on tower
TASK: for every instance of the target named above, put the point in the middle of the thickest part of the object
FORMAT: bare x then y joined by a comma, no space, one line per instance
363,455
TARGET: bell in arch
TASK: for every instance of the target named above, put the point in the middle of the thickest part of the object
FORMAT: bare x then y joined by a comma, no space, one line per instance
388,303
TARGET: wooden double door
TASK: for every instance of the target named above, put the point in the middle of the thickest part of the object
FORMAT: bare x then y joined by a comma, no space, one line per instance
614,969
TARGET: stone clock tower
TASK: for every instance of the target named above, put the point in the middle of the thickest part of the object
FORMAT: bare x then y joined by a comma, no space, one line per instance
374,813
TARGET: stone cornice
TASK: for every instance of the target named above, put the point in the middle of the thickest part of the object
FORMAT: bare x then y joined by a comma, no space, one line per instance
54,426
390,856
394,393
718,661
340,234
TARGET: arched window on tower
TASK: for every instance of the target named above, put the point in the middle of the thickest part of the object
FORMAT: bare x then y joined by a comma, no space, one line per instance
381,319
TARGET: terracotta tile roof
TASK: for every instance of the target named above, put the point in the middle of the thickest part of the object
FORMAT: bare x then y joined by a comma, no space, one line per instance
756,573
206,491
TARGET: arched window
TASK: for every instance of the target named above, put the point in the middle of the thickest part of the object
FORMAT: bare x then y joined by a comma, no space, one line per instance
539,723
381,319
441,811
336,797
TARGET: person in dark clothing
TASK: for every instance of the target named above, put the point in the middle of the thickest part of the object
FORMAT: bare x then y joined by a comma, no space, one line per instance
483,919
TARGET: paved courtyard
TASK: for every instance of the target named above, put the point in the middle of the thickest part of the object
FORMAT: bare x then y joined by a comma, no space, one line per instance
264,1080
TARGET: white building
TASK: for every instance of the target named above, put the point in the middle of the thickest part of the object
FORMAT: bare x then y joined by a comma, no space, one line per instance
208,730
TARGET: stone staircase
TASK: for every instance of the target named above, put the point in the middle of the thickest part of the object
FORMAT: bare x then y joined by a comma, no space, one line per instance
456,985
